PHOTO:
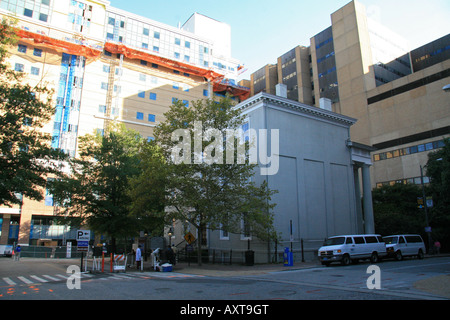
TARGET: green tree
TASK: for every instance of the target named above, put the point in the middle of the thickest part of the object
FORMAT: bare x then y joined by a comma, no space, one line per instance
205,189
94,189
438,169
26,156
148,189
396,210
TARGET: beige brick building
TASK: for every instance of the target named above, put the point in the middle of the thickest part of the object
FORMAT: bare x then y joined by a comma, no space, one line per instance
359,68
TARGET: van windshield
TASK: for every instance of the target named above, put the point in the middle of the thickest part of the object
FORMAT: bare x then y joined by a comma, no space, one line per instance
390,240
334,241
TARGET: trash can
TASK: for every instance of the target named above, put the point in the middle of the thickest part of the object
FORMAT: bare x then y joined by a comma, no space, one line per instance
249,258
288,258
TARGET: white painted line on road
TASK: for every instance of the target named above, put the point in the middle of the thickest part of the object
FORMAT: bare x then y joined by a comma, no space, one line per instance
51,278
86,275
25,280
9,281
38,279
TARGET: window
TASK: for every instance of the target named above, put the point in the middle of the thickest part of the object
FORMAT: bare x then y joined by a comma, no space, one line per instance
144,45
245,229
156,35
28,13
35,71
187,44
371,239
104,86
19,67
186,58
176,85
22,49
141,94
186,103
359,240
142,77
155,49
224,235
205,92
139,116
37,52
102,108
152,96
151,118
43,17
177,41
146,32
176,55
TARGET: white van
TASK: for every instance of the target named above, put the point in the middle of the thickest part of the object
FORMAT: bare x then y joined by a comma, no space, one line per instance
348,248
399,246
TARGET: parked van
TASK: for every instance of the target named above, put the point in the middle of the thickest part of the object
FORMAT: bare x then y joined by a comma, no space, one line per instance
348,248
399,246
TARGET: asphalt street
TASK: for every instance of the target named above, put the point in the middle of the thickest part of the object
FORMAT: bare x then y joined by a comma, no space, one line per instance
45,279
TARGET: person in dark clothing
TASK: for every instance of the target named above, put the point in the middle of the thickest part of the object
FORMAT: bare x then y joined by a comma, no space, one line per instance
170,255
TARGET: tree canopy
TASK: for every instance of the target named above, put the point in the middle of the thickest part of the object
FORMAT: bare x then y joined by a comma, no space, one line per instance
206,189
26,156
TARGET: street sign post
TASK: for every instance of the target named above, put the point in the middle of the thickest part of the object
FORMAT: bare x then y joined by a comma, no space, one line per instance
83,237
189,237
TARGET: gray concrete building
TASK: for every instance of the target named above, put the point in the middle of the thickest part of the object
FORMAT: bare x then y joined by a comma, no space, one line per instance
318,180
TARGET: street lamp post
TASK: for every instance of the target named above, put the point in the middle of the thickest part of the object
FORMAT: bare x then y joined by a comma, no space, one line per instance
427,228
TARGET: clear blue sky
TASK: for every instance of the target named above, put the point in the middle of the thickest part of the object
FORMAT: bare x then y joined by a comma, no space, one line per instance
262,30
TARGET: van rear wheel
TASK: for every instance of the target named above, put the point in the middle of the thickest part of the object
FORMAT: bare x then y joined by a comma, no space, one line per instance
398,255
420,254
374,257
346,260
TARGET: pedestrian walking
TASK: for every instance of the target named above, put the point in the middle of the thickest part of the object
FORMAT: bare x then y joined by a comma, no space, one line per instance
17,253
437,247
138,257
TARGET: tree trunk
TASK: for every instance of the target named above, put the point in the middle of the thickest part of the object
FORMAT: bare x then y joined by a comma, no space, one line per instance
199,244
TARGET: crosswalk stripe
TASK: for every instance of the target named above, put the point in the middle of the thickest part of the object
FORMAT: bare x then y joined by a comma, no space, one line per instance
38,278
86,275
51,278
9,281
25,280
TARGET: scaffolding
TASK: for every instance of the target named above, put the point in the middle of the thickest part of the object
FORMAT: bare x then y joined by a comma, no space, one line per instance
90,52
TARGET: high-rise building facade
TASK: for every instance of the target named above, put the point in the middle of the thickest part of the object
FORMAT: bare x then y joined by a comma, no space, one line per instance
107,64
361,69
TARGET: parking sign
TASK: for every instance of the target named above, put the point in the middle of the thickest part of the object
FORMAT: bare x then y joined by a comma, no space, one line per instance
83,237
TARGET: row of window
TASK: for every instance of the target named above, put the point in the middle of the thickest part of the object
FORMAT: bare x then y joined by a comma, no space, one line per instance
409,150
140,116
38,9
415,180
19,67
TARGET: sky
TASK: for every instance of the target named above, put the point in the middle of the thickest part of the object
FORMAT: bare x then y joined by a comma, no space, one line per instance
262,30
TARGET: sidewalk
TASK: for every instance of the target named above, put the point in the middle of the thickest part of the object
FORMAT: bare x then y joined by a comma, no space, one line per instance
234,270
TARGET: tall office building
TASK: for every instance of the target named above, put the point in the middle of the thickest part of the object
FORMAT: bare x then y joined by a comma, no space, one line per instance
361,69
107,64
